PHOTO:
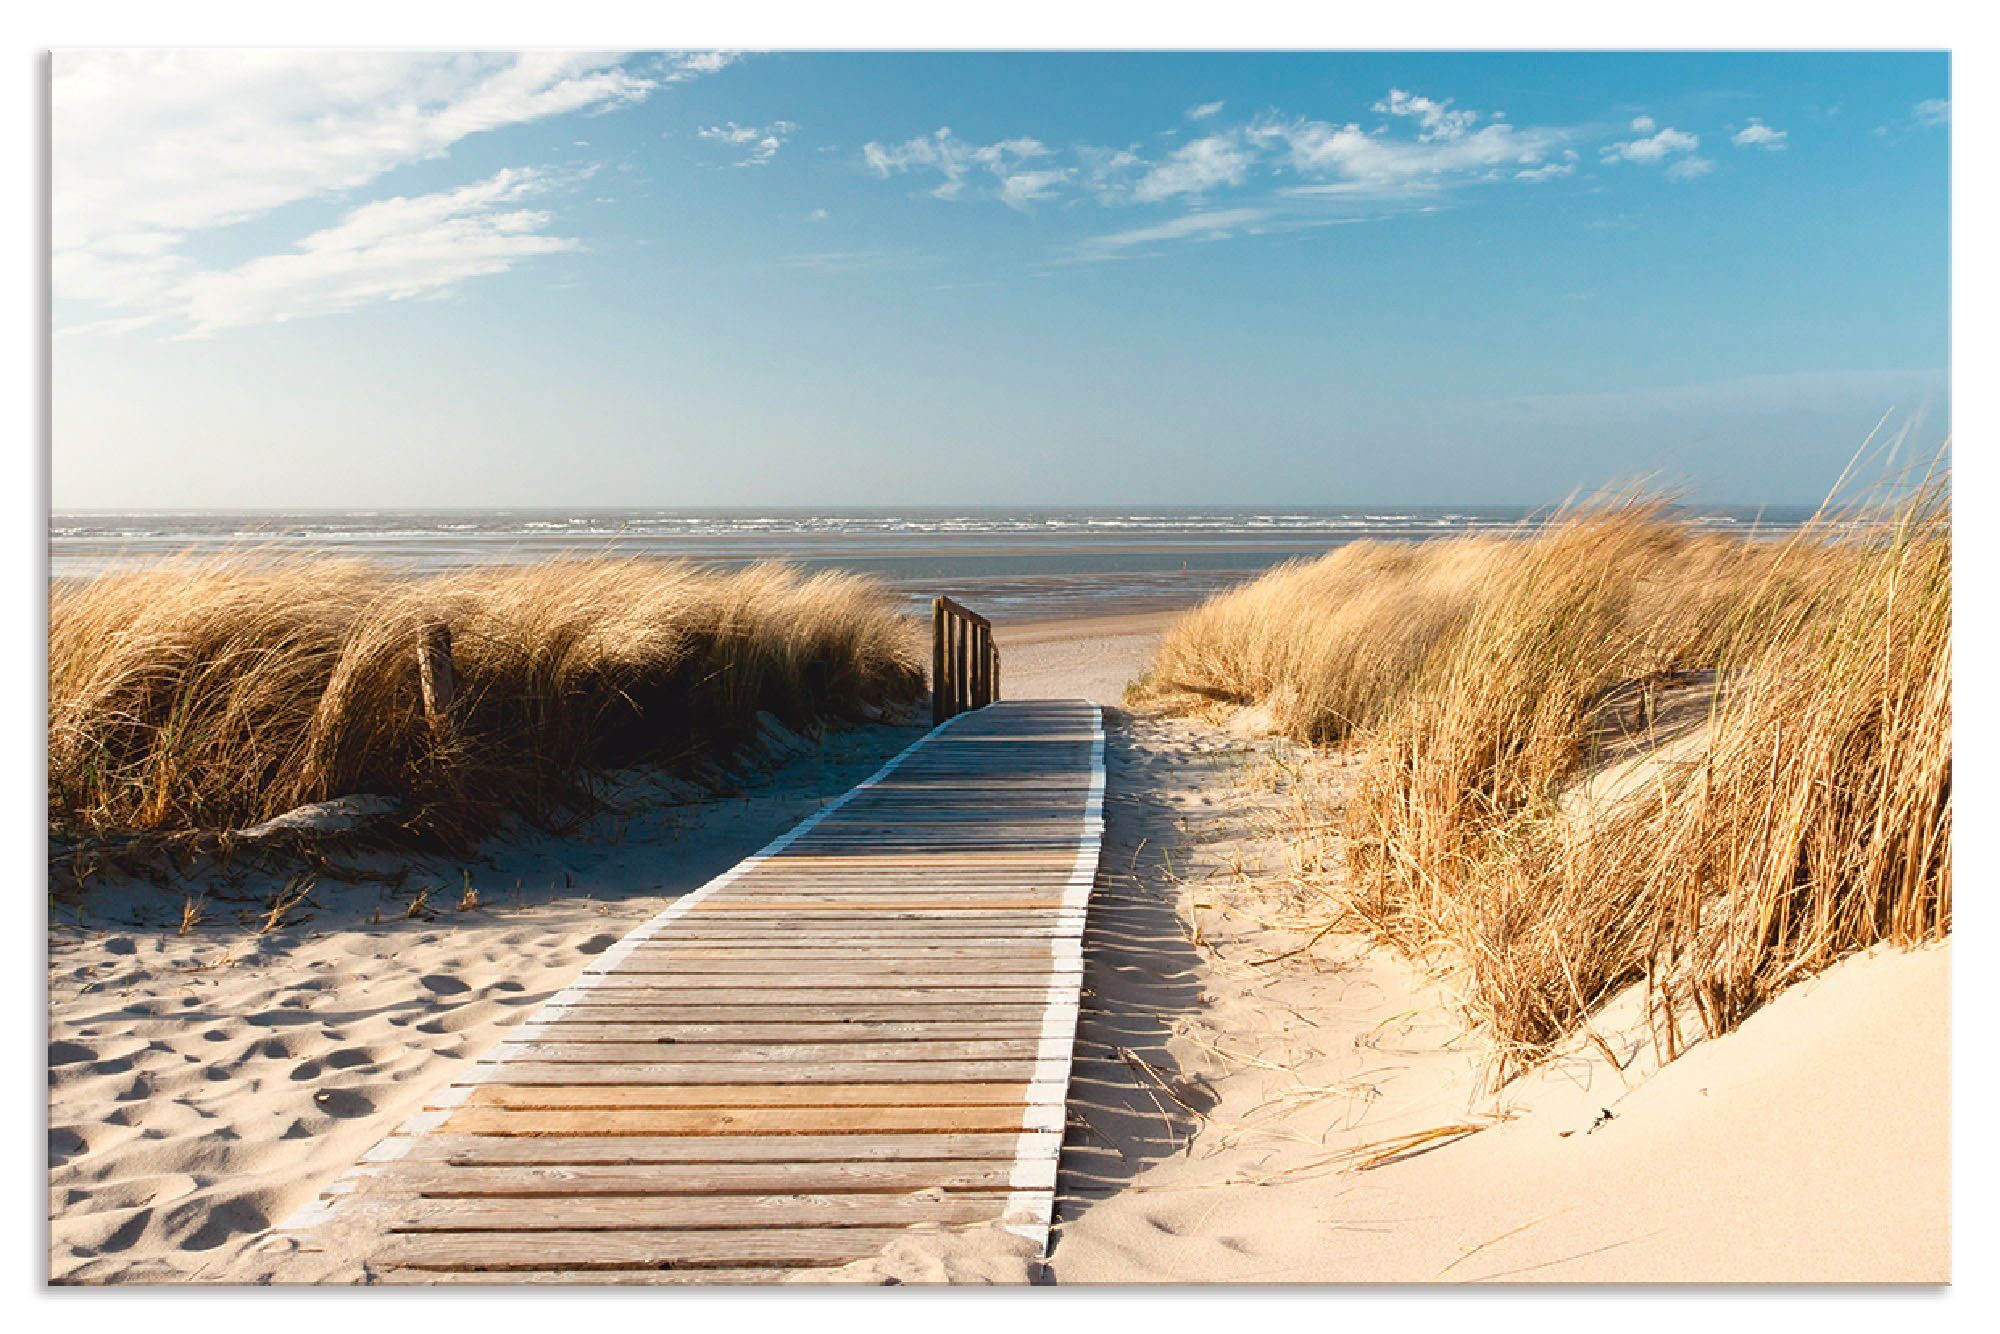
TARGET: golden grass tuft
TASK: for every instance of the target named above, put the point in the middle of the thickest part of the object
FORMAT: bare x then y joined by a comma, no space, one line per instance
210,694
1801,812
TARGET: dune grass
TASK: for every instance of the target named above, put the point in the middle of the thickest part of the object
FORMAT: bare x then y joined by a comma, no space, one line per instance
209,694
1485,678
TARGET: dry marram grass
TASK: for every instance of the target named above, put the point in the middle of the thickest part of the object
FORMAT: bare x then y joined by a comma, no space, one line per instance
211,694
1775,714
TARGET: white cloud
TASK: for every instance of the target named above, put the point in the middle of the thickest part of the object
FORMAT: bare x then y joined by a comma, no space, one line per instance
1195,168
1214,225
1549,171
680,66
1644,124
1436,120
389,250
1667,142
150,148
1023,188
1759,135
1203,110
759,142
819,215
956,160
1932,112
1366,162
1690,168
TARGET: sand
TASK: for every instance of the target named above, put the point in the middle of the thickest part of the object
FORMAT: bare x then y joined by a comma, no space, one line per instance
1234,1073
1232,1070
1083,659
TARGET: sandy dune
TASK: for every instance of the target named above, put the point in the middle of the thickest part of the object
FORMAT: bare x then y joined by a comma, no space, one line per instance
1233,1073
1232,1070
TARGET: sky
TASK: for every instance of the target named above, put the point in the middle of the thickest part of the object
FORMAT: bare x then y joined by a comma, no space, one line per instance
677,279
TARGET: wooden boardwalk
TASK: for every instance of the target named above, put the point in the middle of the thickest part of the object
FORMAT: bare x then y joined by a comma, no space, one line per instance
864,1027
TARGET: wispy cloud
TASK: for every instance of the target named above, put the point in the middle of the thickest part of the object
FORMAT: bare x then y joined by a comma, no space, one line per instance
153,148
1759,135
391,250
759,142
1931,113
1214,225
1196,168
1436,120
680,66
1278,172
958,163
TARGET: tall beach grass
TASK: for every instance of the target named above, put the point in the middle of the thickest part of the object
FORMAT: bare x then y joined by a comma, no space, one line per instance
1797,809
208,694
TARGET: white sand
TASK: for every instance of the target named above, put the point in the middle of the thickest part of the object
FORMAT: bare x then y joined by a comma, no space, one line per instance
202,1087
1081,659
1217,1119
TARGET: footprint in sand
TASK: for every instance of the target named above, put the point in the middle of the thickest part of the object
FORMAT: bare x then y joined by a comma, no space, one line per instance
597,944
70,1053
343,1104
442,984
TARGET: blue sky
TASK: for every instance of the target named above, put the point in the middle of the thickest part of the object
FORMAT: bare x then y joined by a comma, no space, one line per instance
794,279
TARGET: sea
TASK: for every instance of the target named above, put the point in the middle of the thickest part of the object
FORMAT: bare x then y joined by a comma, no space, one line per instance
1013,563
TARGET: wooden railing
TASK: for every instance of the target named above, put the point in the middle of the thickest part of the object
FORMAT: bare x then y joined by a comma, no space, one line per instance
965,664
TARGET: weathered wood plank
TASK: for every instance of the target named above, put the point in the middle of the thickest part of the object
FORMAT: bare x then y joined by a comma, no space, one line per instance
556,1097
683,1034
502,1252
726,1212
599,1121
441,1181
827,1071
479,1150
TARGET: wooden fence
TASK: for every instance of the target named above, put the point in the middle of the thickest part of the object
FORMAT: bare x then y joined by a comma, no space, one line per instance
965,664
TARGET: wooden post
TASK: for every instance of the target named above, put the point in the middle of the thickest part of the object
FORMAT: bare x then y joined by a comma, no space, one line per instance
965,661
973,665
982,694
938,710
435,675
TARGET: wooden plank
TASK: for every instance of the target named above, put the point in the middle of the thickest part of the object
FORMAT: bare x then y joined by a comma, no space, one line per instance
596,1006
800,979
829,1071
478,1150
506,1252
440,1181
680,1034
717,1276
749,1095
773,1053
725,1212
598,1121
662,992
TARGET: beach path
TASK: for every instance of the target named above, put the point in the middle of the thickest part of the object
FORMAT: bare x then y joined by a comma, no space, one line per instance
862,1029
